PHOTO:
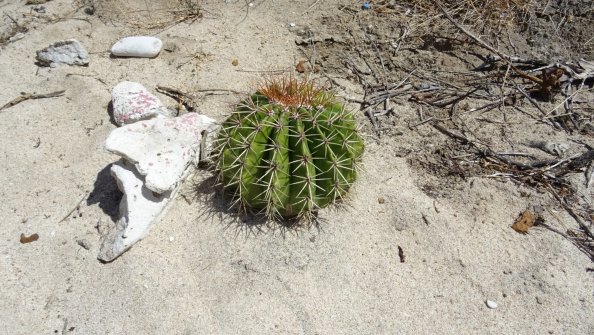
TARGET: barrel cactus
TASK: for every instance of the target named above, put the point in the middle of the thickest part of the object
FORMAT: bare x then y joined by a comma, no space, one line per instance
289,149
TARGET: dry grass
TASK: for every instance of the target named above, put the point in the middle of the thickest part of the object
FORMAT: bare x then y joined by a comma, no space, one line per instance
486,17
158,14
466,68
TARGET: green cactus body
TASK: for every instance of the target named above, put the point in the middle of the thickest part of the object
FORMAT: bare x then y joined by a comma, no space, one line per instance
289,149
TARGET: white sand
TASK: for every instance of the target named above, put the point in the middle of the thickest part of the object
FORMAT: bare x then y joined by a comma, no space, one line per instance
218,277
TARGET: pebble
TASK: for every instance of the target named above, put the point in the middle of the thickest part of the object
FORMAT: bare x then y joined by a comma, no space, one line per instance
39,9
137,46
69,52
587,128
554,148
132,102
491,304
28,239
84,244
16,37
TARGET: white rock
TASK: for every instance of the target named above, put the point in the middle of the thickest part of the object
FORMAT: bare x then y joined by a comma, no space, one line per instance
491,304
137,46
157,155
133,102
162,149
139,209
554,148
16,37
69,52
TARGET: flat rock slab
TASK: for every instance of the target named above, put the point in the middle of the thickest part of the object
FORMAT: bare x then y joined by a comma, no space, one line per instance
139,209
68,52
137,46
161,148
133,102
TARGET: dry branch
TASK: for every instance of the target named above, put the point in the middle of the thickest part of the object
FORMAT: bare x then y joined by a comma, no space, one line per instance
27,96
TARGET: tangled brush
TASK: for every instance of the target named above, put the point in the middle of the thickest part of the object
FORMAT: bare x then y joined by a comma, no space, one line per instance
289,149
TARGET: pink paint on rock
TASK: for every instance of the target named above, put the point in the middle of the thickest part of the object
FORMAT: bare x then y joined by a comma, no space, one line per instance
186,122
133,102
162,149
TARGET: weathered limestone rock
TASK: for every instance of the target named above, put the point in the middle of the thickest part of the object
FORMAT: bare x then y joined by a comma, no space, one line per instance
162,148
139,209
69,52
133,102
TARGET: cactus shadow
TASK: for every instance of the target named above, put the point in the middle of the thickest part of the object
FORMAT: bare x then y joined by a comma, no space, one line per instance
243,222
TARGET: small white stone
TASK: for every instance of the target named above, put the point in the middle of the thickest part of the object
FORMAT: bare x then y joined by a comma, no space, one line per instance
292,24
137,46
552,147
16,37
491,304
132,102
171,238
251,4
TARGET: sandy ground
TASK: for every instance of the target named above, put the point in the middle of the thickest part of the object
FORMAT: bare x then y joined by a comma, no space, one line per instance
198,272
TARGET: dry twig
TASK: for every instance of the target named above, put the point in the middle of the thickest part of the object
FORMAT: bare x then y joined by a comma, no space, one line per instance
546,84
181,97
27,96
550,175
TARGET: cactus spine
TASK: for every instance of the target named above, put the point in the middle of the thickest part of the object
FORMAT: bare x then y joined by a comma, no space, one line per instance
289,149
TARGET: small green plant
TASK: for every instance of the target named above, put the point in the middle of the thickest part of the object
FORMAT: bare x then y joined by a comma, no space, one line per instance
289,150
